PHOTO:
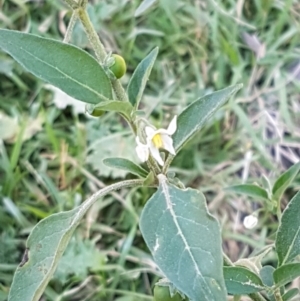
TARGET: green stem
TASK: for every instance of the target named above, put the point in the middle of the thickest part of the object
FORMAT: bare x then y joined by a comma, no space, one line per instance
119,90
277,295
73,4
167,164
227,260
152,164
99,50
92,35
102,192
70,28
278,209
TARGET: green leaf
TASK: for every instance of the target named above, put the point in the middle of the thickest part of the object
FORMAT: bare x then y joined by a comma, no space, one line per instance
122,107
143,7
140,77
290,294
288,234
241,281
185,241
266,275
284,181
197,113
286,273
250,190
67,67
127,165
45,246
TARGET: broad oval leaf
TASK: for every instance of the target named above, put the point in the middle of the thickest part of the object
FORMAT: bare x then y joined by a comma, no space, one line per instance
143,7
67,67
45,246
140,77
288,234
185,241
286,273
284,181
197,113
241,281
251,190
127,165
122,107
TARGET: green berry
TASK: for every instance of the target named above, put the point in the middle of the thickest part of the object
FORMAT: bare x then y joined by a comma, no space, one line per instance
119,66
162,293
97,113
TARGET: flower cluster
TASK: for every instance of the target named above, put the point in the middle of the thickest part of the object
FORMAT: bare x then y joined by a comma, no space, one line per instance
156,139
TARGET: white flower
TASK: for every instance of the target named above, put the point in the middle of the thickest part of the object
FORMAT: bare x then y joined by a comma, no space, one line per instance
250,221
142,150
157,139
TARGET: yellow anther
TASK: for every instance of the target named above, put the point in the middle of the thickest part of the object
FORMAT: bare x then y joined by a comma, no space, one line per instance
157,141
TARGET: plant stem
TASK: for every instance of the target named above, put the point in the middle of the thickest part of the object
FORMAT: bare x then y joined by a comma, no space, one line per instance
99,50
227,260
104,191
92,34
119,90
70,28
277,295
73,4
167,164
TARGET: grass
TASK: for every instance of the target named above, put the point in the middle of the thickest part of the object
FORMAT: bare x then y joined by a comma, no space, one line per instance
50,157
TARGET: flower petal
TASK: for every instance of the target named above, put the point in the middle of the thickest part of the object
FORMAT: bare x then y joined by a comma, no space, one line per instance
142,152
150,132
168,144
155,154
172,126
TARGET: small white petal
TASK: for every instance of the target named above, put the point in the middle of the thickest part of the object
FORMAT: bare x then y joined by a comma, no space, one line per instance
150,132
137,140
172,126
250,221
168,144
155,154
142,150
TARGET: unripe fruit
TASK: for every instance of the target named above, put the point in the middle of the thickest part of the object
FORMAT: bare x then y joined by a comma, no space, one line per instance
162,293
119,66
93,110
97,113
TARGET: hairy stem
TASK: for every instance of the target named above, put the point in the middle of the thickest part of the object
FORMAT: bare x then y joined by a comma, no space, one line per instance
277,295
167,164
102,192
92,35
99,50
73,4
119,90
70,28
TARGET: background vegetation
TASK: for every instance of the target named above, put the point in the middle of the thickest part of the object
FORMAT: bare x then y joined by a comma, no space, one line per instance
51,155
